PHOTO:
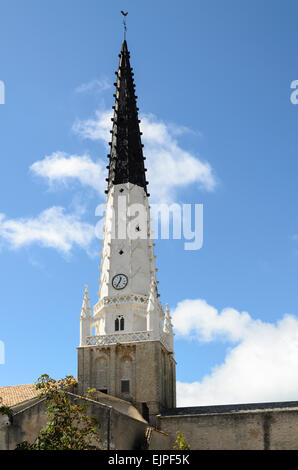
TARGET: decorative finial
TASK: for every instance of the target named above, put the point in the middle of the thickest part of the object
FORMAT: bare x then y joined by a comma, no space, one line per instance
124,23
86,310
168,327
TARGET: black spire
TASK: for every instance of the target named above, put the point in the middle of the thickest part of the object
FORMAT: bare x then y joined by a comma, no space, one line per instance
126,157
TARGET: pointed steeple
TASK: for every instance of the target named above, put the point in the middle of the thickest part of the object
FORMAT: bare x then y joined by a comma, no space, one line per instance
123,354
126,157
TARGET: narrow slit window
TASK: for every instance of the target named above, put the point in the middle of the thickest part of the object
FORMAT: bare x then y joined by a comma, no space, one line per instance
117,324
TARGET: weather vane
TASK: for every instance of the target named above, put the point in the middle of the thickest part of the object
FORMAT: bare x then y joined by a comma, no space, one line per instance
124,22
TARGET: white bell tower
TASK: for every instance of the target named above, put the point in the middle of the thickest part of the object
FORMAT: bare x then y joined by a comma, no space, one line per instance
131,354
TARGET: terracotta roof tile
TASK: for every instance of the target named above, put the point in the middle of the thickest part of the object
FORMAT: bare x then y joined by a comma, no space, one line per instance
17,394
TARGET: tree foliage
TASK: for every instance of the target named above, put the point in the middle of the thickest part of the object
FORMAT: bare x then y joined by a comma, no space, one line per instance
69,427
6,410
181,443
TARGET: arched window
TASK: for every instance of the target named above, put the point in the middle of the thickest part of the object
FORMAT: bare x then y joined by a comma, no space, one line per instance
119,323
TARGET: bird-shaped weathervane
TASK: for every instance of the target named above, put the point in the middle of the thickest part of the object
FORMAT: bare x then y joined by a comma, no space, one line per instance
124,22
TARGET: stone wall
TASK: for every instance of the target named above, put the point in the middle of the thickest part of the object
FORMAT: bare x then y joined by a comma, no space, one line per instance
239,427
267,429
26,425
148,366
118,431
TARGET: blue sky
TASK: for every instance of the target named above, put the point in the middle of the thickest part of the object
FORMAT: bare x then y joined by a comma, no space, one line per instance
214,78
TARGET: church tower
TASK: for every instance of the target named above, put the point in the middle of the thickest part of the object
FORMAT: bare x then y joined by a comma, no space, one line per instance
126,347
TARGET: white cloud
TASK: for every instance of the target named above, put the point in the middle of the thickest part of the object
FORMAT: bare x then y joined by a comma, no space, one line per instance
260,363
61,167
169,166
52,228
95,129
198,318
97,86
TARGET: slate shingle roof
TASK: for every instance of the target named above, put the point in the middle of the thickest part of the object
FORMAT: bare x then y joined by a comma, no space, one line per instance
238,408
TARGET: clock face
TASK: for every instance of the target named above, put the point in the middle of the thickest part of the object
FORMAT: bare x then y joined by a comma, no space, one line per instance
119,281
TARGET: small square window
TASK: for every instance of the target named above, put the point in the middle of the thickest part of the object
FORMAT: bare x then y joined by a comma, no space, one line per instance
124,386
